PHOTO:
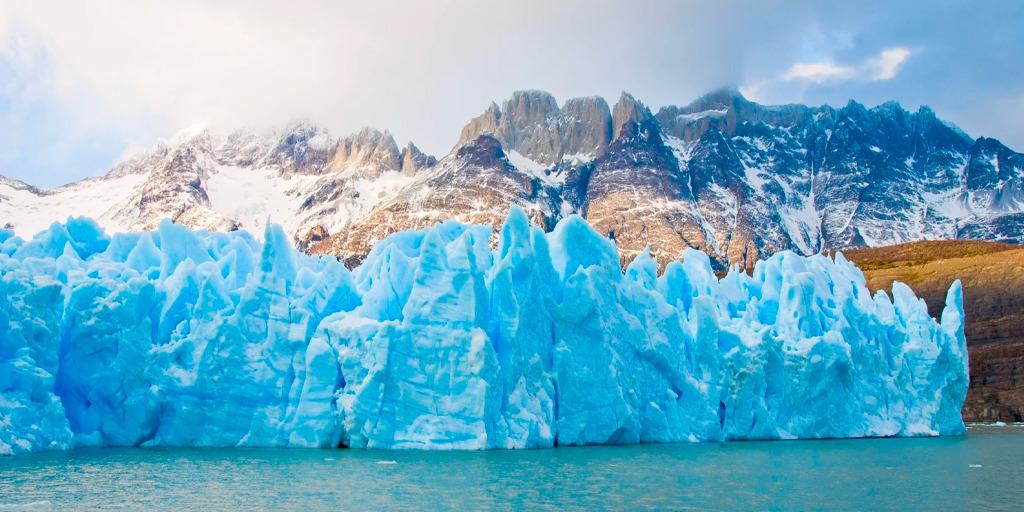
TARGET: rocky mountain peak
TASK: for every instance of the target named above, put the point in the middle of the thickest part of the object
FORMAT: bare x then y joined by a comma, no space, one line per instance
369,151
926,112
244,148
724,97
414,160
722,173
18,185
854,108
628,110
191,144
193,136
300,147
485,150
368,136
528,108
725,110
301,130
530,124
487,122
891,108
587,127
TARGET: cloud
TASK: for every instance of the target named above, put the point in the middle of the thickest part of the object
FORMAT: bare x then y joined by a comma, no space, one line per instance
887,64
883,66
81,82
135,71
751,91
818,72
407,66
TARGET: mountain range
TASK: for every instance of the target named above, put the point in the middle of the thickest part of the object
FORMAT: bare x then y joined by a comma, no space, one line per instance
734,178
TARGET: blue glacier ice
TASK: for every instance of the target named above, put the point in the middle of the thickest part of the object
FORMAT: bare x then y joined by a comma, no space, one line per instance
453,337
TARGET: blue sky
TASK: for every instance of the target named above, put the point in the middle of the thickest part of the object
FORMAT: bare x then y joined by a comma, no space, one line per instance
81,85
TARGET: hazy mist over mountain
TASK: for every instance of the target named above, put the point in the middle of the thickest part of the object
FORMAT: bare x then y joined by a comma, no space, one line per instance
74,98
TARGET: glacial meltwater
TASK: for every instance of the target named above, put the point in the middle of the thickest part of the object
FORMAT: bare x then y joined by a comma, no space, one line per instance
983,470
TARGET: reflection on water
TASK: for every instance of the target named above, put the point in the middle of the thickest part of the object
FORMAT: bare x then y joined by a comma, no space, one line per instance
984,470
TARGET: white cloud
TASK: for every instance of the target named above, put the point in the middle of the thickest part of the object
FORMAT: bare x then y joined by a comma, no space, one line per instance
884,66
108,75
887,64
195,63
419,69
818,72
752,91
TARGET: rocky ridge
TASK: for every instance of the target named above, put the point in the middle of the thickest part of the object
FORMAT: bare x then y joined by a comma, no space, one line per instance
734,178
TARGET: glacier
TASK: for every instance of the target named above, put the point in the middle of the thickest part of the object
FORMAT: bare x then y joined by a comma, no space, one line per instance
453,337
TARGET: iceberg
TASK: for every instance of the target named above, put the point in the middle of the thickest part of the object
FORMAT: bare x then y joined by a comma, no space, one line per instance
453,337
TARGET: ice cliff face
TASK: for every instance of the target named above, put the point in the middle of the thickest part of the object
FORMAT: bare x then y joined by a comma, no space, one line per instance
723,174
179,337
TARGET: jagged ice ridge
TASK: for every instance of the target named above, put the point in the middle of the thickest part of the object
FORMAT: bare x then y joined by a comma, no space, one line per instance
191,338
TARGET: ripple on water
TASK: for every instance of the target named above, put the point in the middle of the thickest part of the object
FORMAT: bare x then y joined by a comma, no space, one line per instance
982,470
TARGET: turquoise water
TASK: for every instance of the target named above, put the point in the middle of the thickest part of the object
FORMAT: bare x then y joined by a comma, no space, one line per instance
981,471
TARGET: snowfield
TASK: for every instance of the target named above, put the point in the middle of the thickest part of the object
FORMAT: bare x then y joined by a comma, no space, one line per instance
31,212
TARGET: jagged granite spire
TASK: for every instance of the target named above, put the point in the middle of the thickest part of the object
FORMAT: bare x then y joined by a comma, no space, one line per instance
531,124
413,159
740,179
628,110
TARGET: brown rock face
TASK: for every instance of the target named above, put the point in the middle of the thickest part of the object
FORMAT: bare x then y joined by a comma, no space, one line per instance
466,186
627,111
370,151
413,160
637,196
586,126
479,125
724,110
174,190
532,124
993,279
312,236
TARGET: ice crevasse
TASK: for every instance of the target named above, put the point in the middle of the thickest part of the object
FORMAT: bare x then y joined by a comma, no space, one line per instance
438,341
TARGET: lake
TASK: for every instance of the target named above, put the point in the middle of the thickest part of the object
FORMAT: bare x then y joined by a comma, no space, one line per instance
983,470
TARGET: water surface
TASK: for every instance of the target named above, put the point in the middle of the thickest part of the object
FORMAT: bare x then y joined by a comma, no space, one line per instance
981,471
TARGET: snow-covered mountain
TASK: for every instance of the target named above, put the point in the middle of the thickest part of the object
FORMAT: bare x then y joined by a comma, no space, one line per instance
299,177
724,174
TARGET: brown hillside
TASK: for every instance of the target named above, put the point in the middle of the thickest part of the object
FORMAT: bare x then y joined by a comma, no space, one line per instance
993,279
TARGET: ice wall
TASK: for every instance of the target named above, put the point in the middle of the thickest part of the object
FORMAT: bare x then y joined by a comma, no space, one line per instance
184,338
